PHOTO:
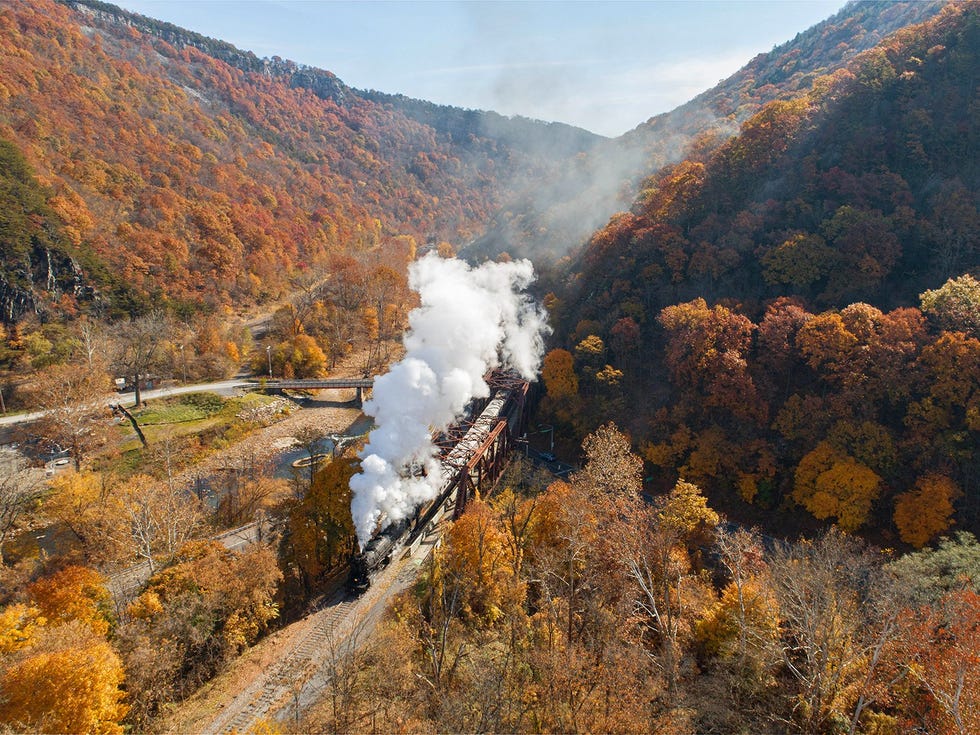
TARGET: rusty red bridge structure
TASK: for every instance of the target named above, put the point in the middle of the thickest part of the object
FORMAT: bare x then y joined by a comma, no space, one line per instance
474,452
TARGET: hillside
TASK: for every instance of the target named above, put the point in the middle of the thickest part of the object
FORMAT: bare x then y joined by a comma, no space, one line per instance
224,175
551,221
756,318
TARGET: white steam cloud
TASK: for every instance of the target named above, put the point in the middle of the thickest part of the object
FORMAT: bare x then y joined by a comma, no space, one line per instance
470,320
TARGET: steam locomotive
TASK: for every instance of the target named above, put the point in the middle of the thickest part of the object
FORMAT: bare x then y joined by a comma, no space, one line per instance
378,550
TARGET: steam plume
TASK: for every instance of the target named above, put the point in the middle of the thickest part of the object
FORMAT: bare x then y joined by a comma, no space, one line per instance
470,320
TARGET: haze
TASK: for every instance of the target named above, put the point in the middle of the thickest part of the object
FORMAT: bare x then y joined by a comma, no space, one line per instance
605,66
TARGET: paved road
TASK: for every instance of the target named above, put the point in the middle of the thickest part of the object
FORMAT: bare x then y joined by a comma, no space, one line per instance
222,387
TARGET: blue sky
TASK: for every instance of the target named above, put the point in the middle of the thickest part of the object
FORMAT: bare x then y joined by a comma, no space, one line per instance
605,66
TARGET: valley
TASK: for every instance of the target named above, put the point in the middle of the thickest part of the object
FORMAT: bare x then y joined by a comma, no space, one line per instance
749,328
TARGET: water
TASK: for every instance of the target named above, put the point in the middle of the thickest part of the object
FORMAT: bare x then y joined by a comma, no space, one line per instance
285,468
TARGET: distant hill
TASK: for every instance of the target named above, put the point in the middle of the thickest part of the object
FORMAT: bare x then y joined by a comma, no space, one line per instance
187,171
552,220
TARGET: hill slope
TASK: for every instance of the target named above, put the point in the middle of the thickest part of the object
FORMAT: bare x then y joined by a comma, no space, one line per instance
755,319
199,174
550,221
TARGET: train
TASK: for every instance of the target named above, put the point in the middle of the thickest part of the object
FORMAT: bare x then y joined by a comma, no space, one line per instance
377,553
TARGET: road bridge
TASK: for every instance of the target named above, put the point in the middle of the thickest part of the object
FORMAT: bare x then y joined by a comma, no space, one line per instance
281,384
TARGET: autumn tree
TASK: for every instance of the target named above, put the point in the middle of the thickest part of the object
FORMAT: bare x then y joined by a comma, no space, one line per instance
70,680
818,586
300,357
480,557
743,624
73,593
955,306
829,483
161,517
74,400
139,345
85,504
610,466
944,644
21,489
926,510
670,595
706,355
320,532
59,674
558,373
195,614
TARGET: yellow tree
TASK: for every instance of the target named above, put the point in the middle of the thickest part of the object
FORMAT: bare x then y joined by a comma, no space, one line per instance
669,595
19,626
69,681
558,373
73,593
84,504
830,483
477,556
926,510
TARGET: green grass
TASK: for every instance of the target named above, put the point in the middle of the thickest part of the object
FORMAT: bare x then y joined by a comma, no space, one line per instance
181,409
196,423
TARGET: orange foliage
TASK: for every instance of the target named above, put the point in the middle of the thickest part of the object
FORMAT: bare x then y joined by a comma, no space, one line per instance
74,593
927,510
829,483
558,373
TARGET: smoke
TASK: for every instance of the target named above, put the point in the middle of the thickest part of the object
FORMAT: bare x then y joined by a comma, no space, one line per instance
471,319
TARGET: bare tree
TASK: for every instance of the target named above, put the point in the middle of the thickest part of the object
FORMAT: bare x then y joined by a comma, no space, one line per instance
95,341
21,487
820,588
75,402
138,347
161,517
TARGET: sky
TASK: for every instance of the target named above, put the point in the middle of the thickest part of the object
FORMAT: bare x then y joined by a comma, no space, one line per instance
603,66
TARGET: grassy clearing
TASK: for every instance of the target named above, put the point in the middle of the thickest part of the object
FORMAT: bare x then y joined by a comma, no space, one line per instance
181,409
190,425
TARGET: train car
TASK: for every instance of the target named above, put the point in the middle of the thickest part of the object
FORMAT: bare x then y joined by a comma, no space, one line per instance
377,553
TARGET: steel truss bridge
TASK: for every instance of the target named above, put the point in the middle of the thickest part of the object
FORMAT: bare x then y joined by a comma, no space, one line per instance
476,452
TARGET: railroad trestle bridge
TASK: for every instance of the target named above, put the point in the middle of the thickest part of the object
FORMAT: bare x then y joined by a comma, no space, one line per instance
476,452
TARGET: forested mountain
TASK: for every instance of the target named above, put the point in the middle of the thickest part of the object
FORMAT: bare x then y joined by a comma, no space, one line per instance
758,309
786,323
550,220
197,174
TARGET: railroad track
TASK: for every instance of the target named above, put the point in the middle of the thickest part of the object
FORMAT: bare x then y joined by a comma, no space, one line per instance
287,677
341,624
